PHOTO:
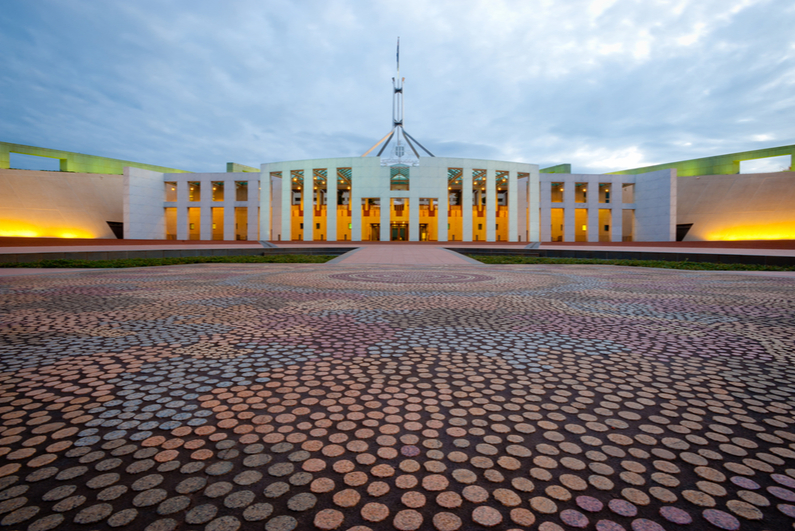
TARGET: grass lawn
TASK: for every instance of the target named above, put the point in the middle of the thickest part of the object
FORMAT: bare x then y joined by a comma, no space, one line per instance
705,266
147,262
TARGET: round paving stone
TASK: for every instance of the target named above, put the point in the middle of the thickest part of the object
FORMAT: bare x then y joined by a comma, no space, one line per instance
257,512
164,524
301,502
94,514
189,485
59,493
326,519
486,516
522,517
543,505
609,525
67,504
149,497
220,468
475,494
346,498
574,518
643,524
721,519
122,518
274,490
239,499
375,512
744,510
446,522
407,520
48,522
201,514
675,515
224,523
449,499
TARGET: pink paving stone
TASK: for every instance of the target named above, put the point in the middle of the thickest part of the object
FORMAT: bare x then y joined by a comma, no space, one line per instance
486,516
408,520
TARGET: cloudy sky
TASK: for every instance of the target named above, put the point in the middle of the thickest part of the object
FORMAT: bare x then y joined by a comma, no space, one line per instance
193,84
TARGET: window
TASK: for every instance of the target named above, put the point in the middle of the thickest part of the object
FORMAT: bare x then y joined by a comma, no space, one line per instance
171,191
557,192
194,191
399,178
580,192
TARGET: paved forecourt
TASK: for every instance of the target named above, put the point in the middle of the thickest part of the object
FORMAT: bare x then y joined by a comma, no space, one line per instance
379,396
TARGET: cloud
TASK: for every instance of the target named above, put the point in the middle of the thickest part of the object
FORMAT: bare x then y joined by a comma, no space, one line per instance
601,84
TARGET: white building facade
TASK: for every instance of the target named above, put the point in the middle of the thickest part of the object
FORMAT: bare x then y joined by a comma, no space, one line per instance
435,199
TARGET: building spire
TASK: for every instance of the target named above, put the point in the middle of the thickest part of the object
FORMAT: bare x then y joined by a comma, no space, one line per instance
398,154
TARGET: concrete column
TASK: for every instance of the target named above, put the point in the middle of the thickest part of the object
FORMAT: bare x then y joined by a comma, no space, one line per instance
386,218
356,207
593,210
491,205
513,204
545,219
466,203
260,197
230,190
331,204
287,205
616,209
206,212
568,210
182,210
441,215
308,191
414,218
533,206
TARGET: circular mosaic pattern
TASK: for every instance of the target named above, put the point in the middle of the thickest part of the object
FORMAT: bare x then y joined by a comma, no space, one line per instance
281,397
411,277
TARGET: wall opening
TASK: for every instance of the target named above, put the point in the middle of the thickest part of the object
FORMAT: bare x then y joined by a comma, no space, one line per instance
241,190
194,191
628,193
171,191
580,192
767,165
171,223
194,224
218,223
628,226
605,224
399,219
18,161
604,193
218,191
557,192
580,224
429,210
241,223
399,178
371,215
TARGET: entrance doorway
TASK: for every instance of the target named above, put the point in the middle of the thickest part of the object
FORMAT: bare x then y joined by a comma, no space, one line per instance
399,232
423,232
375,232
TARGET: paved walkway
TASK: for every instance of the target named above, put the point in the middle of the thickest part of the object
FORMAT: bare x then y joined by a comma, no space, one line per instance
224,397
403,255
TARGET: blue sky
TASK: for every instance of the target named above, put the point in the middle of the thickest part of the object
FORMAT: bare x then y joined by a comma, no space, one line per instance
603,85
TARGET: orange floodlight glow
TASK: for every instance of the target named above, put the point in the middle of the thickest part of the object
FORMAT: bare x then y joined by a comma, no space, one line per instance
768,231
22,229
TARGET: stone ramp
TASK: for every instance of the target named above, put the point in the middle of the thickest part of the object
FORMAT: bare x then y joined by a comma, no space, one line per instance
403,255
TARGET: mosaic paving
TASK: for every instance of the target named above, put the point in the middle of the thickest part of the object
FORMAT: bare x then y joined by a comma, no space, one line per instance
280,397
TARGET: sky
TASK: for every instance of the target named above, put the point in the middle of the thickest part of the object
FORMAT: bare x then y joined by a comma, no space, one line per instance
603,85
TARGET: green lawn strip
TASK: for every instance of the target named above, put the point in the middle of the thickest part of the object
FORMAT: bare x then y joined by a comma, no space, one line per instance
147,262
706,266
